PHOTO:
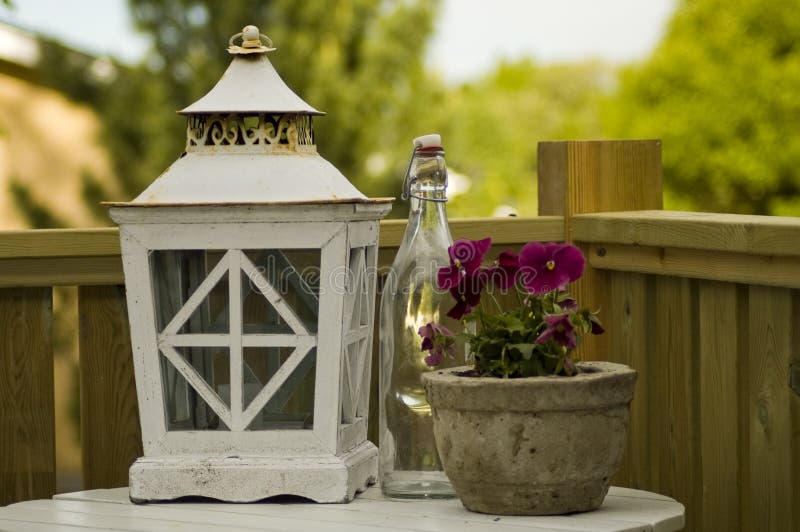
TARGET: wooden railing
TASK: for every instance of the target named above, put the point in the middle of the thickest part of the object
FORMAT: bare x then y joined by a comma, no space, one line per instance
31,263
706,307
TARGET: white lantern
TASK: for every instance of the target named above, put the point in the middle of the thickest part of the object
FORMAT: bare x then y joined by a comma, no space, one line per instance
249,268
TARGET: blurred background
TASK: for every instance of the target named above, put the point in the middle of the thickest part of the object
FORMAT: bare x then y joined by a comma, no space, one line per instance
89,90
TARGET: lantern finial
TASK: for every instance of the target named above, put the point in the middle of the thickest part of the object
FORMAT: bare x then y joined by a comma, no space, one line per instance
251,42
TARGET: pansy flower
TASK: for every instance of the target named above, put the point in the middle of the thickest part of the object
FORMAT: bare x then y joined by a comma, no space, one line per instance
569,304
466,257
560,330
467,294
595,324
547,267
503,272
438,340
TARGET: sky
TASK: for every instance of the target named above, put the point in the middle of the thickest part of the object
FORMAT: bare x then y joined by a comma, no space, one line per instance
471,35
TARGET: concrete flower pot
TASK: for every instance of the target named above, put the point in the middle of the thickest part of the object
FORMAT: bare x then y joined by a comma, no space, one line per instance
532,446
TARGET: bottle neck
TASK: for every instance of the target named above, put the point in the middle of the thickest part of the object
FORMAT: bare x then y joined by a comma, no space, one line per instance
428,231
428,210
426,176
427,186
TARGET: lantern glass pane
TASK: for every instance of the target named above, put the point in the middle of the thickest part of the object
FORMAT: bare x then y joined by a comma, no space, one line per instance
290,275
291,399
280,306
265,330
177,274
358,310
185,408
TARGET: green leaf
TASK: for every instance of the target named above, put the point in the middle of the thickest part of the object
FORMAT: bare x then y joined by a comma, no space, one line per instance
513,324
526,350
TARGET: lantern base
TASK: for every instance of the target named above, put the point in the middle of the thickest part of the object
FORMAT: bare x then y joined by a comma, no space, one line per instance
331,478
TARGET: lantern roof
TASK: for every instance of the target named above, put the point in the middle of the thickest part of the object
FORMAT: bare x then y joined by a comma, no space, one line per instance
208,179
250,85
250,141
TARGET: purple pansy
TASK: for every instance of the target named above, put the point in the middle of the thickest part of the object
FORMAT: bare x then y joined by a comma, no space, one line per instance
467,294
466,257
547,267
596,327
504,271
560,330
569,366
438,340
569,304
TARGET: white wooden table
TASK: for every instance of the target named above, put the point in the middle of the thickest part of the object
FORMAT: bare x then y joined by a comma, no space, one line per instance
623,510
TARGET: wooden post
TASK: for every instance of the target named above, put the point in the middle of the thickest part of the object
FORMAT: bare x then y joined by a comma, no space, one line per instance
27,410
111,437
578,177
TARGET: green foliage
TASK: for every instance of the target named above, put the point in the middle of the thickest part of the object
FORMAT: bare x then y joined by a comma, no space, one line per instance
70,72
361,61
505,344
93,193
140,128
494,124
534,337
721,91
37,216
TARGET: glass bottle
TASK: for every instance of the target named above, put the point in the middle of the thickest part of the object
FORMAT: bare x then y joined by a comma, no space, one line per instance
409,463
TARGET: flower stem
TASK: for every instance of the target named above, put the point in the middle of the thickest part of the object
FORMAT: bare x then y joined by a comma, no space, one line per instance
503,361
496,304
516,291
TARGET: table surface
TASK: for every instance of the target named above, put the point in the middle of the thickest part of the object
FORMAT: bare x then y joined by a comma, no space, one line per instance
110,509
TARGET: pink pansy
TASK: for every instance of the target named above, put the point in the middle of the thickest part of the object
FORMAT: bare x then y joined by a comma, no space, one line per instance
438,340
467,294
466,257
560,330
547,267
504,271
568,304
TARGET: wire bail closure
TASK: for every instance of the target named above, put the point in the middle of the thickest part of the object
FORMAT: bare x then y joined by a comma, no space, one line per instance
251,42
406,192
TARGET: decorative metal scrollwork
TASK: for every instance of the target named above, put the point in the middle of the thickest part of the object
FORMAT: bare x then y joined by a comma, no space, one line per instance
261,132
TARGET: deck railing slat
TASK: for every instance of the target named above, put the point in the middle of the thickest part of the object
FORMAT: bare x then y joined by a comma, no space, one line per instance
769,411
111,437
626,316
70,257
760,235
27,410
747,268
673,399
719,338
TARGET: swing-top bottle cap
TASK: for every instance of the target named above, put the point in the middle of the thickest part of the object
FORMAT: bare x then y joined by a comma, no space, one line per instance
431,145
428,141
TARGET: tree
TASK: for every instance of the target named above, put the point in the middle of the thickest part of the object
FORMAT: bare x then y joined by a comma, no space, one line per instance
493,125
721,91
361,61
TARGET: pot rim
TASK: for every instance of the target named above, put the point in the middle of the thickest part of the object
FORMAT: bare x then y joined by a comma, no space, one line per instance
592,370
603,384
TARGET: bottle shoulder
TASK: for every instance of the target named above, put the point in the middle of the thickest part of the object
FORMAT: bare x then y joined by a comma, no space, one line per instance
420,241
